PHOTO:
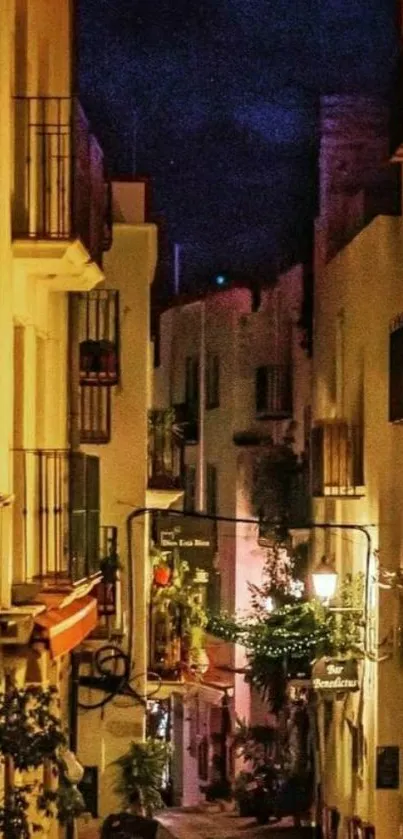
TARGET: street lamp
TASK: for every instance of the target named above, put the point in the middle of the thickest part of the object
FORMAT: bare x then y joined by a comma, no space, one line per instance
324,579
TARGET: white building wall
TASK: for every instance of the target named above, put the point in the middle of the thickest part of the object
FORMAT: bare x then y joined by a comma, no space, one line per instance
358,295
243,340
129,268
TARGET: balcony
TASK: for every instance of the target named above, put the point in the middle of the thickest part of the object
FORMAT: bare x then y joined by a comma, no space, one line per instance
98,335
56,519
60,192
337,459
165,452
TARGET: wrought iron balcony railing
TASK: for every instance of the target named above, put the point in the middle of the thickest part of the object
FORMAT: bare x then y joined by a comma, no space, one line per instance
337,459
56,517
98,335
60,189
165,452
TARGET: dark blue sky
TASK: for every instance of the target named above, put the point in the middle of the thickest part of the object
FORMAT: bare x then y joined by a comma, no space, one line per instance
217,101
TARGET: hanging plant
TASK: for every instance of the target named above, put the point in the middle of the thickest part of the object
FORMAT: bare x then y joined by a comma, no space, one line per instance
30,736
302,631
279,493
281,578
181,597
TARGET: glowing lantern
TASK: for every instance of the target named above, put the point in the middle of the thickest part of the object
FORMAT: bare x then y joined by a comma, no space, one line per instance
324,580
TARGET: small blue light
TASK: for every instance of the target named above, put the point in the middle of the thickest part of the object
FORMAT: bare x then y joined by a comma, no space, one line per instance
220,280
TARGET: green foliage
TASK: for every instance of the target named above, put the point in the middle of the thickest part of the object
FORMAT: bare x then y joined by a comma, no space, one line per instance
346,632
143,767
281,578
273,480
255,743
30,735
161,421
30,732
181,598
110,565
66,803
299,631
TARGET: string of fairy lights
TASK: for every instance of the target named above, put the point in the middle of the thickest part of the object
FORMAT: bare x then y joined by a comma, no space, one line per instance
280,635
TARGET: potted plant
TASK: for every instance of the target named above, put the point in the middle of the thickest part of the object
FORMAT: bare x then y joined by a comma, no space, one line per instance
110,565
144,767
181,601
244,786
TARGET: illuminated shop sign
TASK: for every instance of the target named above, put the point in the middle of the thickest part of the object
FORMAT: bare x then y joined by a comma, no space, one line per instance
335,675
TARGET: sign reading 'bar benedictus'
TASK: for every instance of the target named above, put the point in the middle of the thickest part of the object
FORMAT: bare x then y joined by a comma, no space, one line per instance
335,675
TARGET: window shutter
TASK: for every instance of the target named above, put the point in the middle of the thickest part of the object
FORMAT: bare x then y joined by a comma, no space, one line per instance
78,514
93,513
84,515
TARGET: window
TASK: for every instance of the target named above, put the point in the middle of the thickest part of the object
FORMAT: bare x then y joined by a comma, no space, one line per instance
211,490
273,391
212,381
396,371
336,458
189,504
192,385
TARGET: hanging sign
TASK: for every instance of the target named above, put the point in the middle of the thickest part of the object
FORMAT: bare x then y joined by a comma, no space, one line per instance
335,675
186,533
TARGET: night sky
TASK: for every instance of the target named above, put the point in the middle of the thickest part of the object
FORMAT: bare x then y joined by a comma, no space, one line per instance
216,100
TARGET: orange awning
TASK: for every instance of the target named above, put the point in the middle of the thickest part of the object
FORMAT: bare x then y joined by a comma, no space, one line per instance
65,628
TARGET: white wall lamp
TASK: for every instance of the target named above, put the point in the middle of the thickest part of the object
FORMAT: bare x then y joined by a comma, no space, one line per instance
325,579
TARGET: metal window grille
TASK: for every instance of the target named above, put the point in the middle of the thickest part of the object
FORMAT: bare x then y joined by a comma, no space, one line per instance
165,452
95,414
99,337
336,458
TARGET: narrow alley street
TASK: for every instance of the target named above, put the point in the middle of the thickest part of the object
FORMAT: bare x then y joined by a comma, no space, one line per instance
199,824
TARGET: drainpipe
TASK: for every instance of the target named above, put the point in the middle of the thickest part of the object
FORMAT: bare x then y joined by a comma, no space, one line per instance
73,372
73,432
201,465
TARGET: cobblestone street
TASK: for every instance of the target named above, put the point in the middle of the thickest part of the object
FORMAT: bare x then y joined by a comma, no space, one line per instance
198,824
